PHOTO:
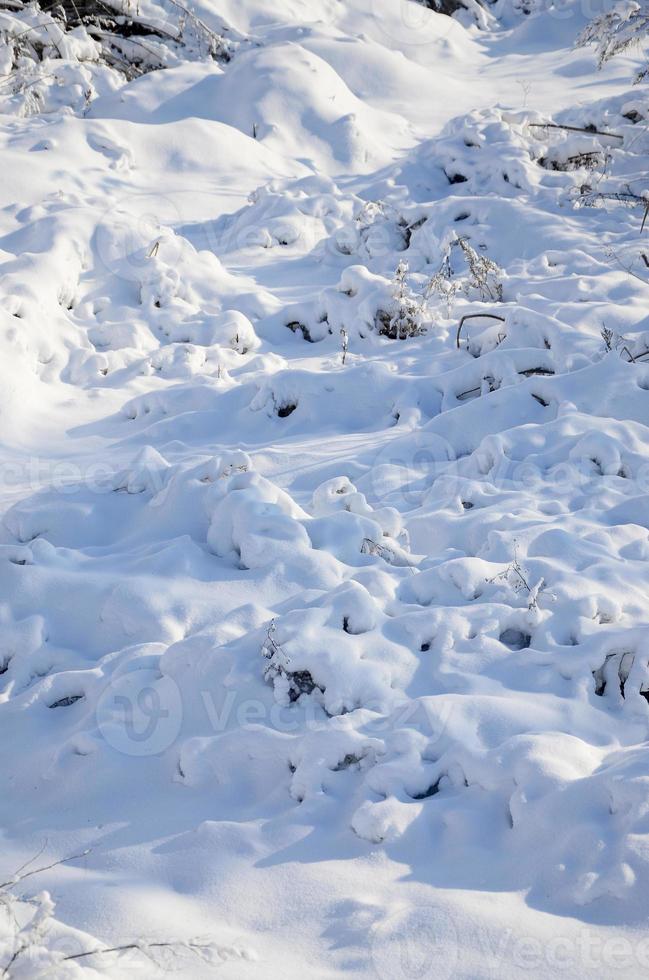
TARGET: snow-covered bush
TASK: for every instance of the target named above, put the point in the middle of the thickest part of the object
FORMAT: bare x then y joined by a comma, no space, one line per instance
284,214
364,303
377,229
624,27
254,520
477,277
405,316
474,9
64,55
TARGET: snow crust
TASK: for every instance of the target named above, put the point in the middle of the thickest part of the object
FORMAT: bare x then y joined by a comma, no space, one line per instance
327,646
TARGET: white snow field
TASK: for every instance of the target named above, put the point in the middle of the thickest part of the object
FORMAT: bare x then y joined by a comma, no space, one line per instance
324,623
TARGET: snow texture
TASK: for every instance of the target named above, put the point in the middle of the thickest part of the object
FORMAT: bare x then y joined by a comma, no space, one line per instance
324,552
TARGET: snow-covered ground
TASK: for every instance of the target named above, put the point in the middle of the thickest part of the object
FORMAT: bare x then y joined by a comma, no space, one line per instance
325,644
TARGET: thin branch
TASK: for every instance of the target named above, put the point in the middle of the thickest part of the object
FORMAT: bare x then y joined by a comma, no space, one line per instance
634,357
36,871
627,197
576,129
473,316
536,372
31,860
14,957
616,258
141,947
219,43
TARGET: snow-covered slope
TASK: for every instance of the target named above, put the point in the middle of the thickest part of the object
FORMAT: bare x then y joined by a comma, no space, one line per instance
323,610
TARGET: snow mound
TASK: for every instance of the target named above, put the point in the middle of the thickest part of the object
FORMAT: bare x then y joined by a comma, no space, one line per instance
324,525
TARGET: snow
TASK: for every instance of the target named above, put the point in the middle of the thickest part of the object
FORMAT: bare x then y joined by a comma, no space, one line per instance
322,650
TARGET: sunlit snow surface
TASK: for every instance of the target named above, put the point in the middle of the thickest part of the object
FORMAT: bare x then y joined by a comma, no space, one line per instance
336,663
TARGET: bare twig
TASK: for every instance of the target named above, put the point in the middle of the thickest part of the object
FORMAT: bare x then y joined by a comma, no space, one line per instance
31,859
627,268
16,953
591,131
625,196
634,357
217,43
473,316
141,947
535,372
36,871
515,570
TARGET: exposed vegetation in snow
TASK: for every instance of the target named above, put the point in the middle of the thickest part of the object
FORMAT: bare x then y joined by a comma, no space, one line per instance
323,385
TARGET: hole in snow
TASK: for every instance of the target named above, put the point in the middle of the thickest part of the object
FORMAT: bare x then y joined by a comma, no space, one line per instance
457,178
295,326
622,666
351,759
301,683
515,639
427,793
284,411
588,160
354,629
66,701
